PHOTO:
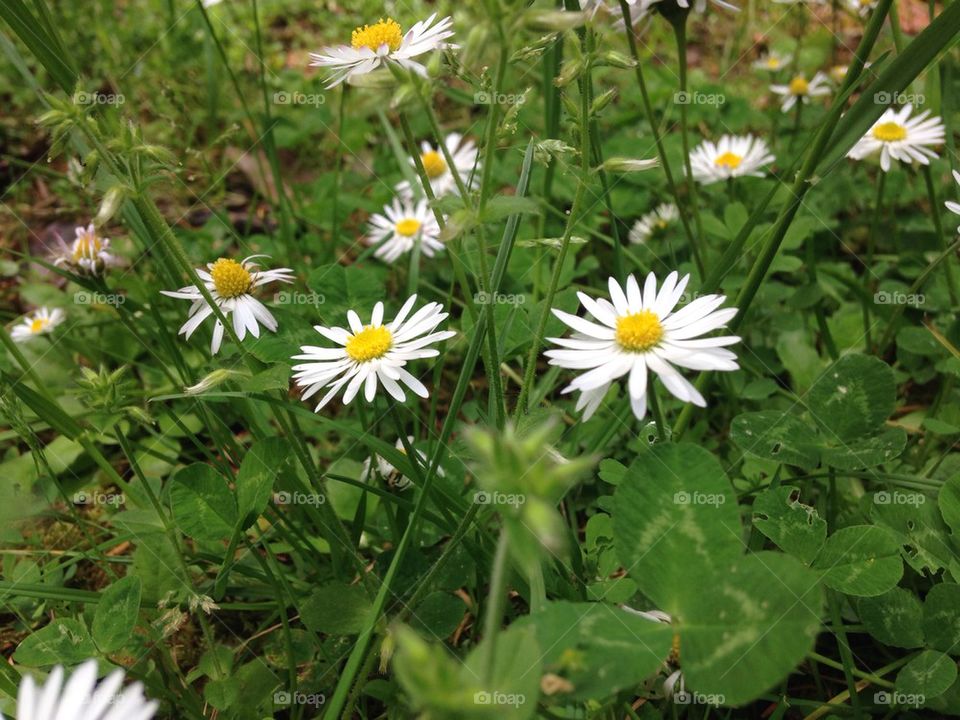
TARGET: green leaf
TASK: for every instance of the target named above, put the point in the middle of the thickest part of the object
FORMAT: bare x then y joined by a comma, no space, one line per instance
866,452
853,397
674,517
862,560
438,615
928,675
777,436
259,468
116,614
203,506
597,648
503,206
919,529
794,527
949,503
894,618
337,609
62,642
941,618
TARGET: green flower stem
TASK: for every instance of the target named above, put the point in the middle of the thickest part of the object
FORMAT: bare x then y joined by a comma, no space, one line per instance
820,313
496,601
834,600
935,209
655,131
655,409
869,284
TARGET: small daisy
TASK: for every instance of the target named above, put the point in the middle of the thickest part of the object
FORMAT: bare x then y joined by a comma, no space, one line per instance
369,353
861,7
231,283
389,473
638,333
898,136
698,5
772,62
80,698
800,89
372,46
671,664
88,253
732,156
654,223
400,227
952,206
463,152
39,322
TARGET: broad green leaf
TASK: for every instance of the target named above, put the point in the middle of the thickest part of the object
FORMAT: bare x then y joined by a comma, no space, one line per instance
62,642
438,614
203,506
916,521
941,618
598,649
865,452
675,517
515,685
928,675
894,618
777,436
260,466
338,609
862,560
116,614
747,626
853,397
221,694
949,502
794,527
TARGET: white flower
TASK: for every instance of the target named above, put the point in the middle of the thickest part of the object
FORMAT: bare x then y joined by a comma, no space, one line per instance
230,283
952,206
639,332
463,152
701,5
81,698
800,2
372,46
772,62
900,137
861,7
88,253
389,473
675,675
36,323
653,223
731,156
801,89
371,353
401,226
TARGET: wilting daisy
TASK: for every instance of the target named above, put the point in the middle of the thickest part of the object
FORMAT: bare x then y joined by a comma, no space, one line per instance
654,223
371,353
81,698
772,62
231,283
401,226
463,152
952,206
372,46
671,664
900,137
698,5
88,253
732,156
861,7
39,322
389,473
801,90
637,333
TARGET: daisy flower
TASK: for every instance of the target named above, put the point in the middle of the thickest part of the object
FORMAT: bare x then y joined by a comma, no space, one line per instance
801,90
772,62
899,137
38,322
463,152
372,46
861,7
671,664
400,227
732,156
80,698
230,283
389,473
638,333
88,253
368,353
952,206
698,5
654,223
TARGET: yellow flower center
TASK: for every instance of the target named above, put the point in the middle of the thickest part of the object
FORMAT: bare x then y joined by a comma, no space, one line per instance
799,85
230,278
370,343
864,3
433,164
675,648
408,227
889,132
385,32
773,63
38,324
729,160
640,331
86,245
